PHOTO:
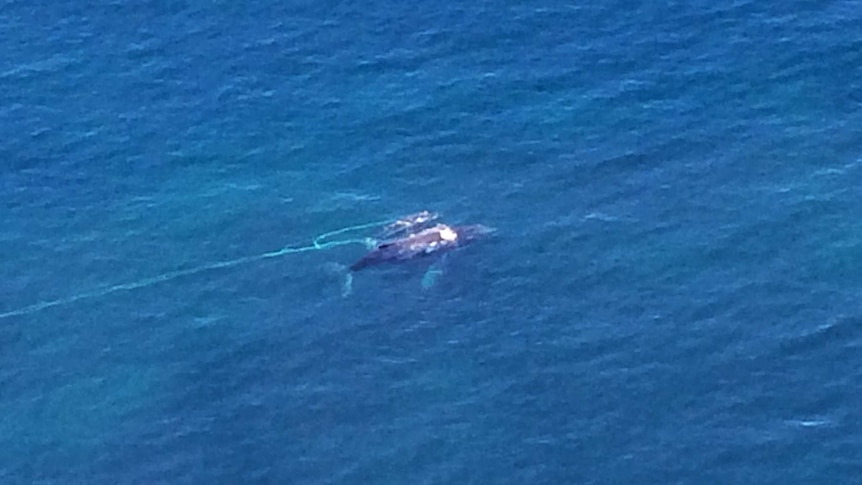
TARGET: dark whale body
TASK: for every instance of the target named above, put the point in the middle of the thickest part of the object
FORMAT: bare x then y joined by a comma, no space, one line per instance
438,239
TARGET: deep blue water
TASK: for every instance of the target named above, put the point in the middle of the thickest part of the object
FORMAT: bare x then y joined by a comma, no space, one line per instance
673,294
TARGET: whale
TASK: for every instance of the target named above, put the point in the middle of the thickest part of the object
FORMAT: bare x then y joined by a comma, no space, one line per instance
438,239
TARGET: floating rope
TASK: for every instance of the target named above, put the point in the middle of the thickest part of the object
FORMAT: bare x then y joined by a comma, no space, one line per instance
319,243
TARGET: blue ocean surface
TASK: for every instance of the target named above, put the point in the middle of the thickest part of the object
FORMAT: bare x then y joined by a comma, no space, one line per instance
673,293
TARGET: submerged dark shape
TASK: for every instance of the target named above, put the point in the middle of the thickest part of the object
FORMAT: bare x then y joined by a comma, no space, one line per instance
433,240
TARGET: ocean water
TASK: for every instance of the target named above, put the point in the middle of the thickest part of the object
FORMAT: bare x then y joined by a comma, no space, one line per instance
672,296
